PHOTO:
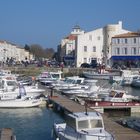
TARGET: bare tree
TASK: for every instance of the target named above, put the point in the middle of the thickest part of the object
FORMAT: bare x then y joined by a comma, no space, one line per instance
37,50
49,52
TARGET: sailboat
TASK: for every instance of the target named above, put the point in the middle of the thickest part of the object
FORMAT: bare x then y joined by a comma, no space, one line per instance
21,101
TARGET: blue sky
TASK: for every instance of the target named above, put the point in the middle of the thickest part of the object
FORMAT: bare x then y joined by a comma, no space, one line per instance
46,22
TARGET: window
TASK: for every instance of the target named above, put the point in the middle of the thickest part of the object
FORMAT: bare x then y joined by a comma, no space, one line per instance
124,50
125,40
117,50
96,123
71,122
83,124
85,48
118,41
94,48
85,60
134,40
133,51
69,51
90,37
139,50
98,37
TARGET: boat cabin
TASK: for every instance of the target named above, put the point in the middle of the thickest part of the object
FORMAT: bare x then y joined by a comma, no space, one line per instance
50,75
74,80
116,94
8,84
82,121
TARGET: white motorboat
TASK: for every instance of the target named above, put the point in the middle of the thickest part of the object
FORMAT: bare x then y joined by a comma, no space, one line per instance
95,75
9,85
126,78
21,101
69,83
136,82
10,89
89,87
45,76
82,126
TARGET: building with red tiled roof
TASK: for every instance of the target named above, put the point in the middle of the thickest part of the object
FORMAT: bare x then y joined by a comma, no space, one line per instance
67,47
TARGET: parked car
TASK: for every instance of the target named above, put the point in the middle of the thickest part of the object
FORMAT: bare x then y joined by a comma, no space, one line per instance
85,65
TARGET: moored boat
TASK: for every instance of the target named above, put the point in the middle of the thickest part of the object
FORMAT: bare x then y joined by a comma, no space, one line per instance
94,75
83,126
114,98
21,101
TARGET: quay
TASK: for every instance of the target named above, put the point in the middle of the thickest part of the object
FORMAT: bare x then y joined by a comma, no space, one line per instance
64,105
7,134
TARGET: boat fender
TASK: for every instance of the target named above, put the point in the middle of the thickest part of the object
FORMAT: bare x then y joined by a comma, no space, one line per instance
112,104
96,103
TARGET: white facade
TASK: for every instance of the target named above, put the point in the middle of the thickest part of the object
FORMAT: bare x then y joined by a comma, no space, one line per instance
9,50
126,47
68,44
96,45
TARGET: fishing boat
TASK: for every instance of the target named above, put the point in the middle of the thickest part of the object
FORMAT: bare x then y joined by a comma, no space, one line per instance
21,101
82,126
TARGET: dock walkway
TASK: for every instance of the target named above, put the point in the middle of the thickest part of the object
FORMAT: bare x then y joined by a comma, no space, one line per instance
7,134
68,106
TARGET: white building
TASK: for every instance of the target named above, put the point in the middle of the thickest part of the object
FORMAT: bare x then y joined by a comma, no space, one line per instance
9,50
126,49
67,51
96,45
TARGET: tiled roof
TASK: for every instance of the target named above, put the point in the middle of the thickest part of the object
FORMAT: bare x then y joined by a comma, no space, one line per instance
71,37
127,35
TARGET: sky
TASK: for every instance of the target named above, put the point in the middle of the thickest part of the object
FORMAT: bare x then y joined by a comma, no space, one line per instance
46,22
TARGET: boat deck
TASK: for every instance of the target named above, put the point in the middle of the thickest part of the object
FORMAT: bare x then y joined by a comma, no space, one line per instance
61,103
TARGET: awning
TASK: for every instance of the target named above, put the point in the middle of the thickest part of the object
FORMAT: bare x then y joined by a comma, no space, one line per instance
125,57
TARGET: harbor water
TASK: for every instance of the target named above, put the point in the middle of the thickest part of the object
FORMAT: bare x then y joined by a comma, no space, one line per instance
29,123
37,123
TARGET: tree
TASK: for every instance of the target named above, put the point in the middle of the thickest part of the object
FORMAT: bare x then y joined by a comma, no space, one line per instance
49,52
37,50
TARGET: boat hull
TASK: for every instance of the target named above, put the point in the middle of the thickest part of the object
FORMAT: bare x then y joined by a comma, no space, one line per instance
104,76
18,103
92,103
